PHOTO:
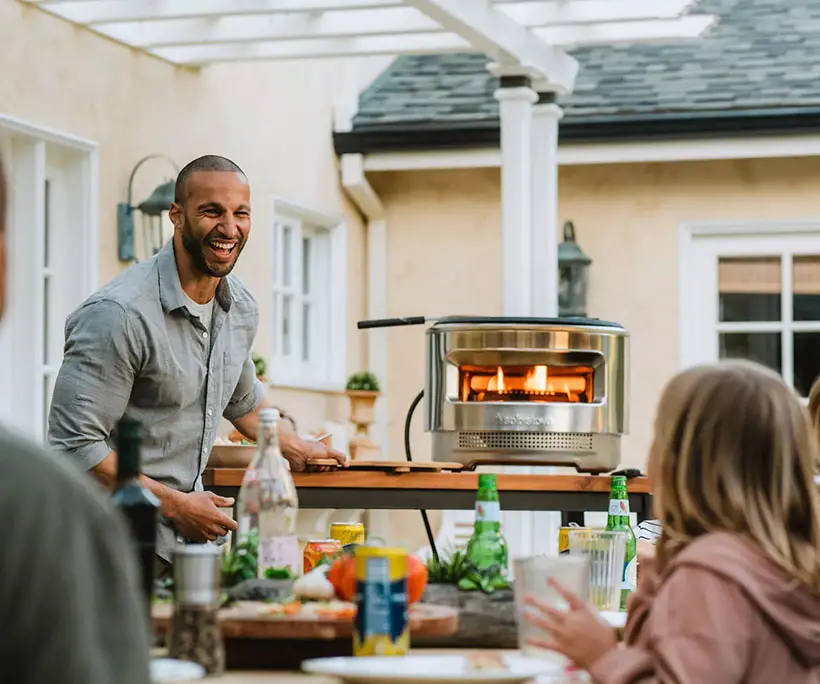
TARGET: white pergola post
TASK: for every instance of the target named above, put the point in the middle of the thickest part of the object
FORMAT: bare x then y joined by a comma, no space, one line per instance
544,260
516,98
544,252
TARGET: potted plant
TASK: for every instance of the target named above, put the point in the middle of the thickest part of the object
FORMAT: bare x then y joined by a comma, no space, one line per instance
261,366
362,389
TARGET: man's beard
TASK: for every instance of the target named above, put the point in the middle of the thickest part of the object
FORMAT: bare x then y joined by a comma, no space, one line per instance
196,248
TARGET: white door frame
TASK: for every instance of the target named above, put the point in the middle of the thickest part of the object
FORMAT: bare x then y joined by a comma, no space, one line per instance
26,153
742,238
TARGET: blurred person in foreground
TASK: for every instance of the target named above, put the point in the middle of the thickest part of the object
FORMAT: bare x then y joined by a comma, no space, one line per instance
733,594
69,593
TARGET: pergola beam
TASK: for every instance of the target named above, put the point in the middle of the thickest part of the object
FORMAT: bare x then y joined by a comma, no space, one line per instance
400,44
527,12
107,11
426,42
364,22
487,29
526,36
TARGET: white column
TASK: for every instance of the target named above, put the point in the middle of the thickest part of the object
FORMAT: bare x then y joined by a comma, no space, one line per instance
515,113
515,110
545,117
544,252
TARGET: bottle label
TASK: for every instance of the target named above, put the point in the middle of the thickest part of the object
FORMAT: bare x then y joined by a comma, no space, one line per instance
619,506
279,552
487,511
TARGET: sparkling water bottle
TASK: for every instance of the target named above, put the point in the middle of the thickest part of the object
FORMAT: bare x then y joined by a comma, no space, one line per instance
268,505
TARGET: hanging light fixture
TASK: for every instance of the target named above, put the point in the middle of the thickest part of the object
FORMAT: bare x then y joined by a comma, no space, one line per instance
151,210
573,275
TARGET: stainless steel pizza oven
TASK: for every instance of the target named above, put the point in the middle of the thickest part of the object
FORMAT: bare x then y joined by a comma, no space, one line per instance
527,391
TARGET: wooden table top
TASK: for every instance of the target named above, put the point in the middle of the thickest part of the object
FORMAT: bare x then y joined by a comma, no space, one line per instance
341,479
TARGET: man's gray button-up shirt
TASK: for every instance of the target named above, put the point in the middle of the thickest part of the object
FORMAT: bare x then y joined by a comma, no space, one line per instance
133,348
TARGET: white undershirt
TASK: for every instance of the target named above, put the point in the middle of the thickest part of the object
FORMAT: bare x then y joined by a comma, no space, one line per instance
204,312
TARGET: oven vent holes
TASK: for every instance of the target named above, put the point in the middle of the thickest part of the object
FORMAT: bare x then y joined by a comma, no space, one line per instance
526,441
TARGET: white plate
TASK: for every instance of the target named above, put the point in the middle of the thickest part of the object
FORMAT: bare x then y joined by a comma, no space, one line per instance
615,619
168,671
413,669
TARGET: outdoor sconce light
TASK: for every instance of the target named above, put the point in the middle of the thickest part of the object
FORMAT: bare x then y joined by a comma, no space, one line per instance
152,210
573,275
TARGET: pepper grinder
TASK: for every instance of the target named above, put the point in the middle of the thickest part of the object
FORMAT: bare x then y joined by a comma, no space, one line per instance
195,633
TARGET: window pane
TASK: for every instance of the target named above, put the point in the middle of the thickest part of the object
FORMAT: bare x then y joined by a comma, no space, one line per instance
275,326
287,257
46,299
749,288
287,321
806,297
761,347
806,361
306,332
46,222
306,257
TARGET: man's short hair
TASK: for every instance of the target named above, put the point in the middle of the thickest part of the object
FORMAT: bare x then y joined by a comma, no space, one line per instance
210,162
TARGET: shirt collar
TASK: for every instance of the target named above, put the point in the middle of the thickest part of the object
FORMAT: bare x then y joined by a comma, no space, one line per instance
171,295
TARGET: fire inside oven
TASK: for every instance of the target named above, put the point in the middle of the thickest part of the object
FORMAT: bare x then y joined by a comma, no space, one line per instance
547,384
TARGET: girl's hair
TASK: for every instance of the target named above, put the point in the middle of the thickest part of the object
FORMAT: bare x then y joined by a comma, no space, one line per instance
814,407
734,452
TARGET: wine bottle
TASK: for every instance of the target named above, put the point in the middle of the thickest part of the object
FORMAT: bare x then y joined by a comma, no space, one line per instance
138,504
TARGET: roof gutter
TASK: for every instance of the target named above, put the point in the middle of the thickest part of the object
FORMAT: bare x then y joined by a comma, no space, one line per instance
459,135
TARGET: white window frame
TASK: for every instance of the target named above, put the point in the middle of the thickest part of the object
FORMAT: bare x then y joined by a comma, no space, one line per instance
698,285
27,150
327,372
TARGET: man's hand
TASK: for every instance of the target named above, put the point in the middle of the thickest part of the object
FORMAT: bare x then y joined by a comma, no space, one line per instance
196,516
298,452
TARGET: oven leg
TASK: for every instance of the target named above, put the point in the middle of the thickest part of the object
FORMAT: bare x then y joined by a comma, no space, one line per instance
568,517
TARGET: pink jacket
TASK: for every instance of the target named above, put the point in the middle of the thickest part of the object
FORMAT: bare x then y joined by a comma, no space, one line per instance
720,614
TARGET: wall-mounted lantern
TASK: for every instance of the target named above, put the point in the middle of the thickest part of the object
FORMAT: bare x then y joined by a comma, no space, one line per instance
152,211
573,275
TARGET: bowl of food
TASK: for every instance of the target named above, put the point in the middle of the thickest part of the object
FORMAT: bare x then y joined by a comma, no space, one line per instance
226,453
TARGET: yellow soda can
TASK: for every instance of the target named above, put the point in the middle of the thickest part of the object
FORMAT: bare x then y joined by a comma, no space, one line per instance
347,533
382,625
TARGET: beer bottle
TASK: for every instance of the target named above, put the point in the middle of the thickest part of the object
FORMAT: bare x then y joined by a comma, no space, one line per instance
618,521
486,554
138,504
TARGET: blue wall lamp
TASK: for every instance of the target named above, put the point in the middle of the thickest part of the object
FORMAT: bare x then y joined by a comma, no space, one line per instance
152,210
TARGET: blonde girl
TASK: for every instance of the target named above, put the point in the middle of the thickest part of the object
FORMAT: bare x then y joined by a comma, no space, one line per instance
733,594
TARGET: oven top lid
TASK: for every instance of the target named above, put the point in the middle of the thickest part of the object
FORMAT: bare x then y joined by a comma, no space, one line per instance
564,321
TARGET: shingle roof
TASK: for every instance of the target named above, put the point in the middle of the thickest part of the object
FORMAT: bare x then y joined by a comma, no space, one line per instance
762,55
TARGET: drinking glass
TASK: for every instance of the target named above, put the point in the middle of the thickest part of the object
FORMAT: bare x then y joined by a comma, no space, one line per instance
604,551
531,578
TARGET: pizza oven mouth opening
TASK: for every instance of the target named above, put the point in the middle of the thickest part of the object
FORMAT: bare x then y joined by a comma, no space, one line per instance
539,383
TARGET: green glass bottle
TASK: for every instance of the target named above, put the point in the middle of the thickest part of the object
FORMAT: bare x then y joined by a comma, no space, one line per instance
487,550
618,521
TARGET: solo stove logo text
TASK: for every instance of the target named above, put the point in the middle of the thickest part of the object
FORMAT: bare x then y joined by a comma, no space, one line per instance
524,421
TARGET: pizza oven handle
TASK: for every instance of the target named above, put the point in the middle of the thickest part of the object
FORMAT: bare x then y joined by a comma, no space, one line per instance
394,322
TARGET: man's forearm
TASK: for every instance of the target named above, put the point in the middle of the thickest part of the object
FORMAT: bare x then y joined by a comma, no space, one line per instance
106,473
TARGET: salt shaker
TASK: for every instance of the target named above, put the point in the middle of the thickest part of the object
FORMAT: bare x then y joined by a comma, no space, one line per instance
195,634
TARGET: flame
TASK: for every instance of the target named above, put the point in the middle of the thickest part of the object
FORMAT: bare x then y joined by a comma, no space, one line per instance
496,384
536,380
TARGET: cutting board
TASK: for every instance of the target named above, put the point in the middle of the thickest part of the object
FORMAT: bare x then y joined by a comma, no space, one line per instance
243,620
390,466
